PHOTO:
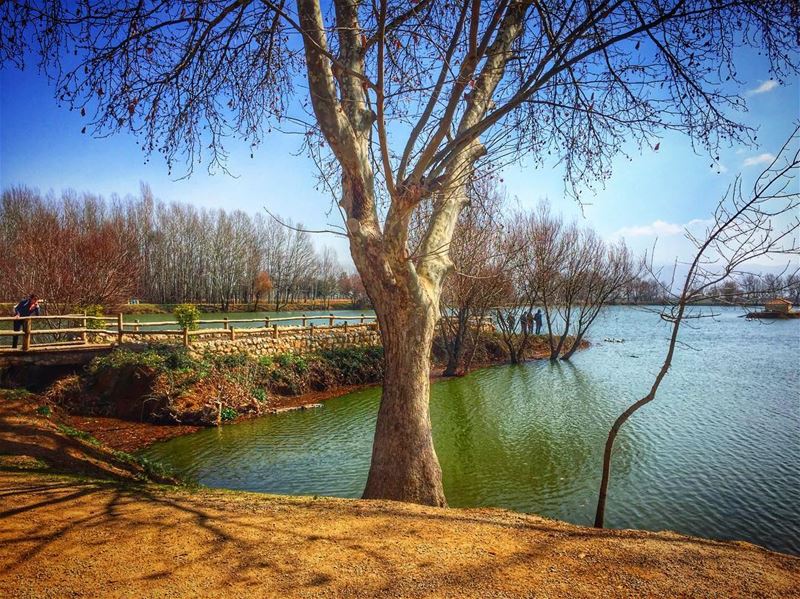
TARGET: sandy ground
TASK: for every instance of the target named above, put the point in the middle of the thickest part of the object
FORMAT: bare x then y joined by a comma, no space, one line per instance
61,537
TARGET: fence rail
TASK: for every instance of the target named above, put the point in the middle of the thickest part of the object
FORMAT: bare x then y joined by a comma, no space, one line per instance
116,328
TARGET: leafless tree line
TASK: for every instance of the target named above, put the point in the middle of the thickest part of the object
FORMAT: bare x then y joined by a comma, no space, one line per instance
505,268
79,249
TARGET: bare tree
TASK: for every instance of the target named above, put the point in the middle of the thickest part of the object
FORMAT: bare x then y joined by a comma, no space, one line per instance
327,274
261,286
547,245
402,102
478,280
70,250
745,228
599,276
510,316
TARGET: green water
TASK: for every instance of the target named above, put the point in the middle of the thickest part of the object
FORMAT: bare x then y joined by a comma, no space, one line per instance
716,455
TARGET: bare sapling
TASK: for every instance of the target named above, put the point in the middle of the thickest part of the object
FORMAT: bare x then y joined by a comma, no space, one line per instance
746,227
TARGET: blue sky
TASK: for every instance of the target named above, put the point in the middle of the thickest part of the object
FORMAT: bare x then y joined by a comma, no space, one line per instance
41,145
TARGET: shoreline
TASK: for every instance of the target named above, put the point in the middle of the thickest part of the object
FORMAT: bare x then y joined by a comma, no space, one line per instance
132,436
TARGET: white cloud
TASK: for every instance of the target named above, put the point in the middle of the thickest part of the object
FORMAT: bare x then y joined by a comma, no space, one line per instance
766,86
765,158
659,228
719,167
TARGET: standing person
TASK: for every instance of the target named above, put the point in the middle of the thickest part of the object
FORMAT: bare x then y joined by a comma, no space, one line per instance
525,322
25,307
537,318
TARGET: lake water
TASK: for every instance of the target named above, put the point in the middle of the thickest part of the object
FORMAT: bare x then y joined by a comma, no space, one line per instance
716,455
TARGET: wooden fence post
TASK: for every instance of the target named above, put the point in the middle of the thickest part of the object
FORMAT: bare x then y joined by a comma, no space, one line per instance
345,327
119,329
233,333
362,319
26,340
304,320
136,326
266,322
185,337
274,331
83,325
330,321
225,322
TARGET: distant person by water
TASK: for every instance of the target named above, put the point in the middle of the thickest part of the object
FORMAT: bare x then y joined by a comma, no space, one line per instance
25,307
537,318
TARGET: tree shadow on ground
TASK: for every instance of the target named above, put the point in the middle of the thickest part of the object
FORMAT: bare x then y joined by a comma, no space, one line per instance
161,538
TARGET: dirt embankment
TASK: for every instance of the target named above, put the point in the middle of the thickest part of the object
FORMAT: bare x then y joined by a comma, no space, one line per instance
132,436
35,432
60,537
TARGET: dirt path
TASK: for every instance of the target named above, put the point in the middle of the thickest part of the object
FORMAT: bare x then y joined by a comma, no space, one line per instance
62,537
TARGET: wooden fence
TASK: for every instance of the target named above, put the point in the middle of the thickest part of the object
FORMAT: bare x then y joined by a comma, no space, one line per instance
114,327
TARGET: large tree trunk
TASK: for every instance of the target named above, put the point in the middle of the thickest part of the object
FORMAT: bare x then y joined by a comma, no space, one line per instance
404,463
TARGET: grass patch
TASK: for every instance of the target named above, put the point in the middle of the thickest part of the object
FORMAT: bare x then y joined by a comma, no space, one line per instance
78,434
14,394
161,358
153,469
228,414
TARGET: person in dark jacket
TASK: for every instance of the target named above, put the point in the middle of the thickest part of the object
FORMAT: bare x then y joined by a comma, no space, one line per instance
26,307
537,319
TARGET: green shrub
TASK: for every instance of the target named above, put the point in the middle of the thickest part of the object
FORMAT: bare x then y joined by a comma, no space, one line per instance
94,310
232,360
228,414
158,357
356,365
120,358
44,411
266,361
177,358
296,363
188,316
260,394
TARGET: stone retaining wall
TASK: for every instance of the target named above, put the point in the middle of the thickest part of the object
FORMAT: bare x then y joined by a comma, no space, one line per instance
294,340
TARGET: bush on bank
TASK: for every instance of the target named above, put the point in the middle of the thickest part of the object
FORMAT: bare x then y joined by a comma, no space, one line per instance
166,384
